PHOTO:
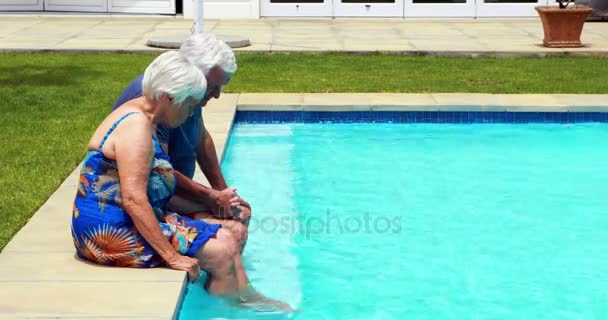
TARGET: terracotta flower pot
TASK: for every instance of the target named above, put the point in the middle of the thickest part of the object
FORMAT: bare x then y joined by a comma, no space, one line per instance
563,27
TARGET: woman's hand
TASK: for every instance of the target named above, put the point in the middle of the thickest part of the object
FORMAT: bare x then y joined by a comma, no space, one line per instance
185,263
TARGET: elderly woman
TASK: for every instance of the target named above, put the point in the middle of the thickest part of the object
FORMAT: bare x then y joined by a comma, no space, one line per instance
119,216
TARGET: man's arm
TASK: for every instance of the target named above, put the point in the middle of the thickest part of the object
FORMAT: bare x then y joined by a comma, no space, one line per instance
186,187
218,202
189,189
207,160
206,157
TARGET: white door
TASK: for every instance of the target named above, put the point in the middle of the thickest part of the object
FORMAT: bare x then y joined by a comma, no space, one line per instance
439,8
368,8
76,5
296,8
508,8
21,5
142,6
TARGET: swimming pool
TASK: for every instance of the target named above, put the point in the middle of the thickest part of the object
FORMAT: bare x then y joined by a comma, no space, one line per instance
422,221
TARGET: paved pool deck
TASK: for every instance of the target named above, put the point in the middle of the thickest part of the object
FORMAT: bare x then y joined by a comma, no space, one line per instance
446,37
40,277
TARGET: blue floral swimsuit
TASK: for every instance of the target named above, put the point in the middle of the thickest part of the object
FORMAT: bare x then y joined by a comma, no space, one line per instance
102,230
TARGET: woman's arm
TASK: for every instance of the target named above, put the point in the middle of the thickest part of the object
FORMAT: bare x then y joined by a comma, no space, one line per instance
134,150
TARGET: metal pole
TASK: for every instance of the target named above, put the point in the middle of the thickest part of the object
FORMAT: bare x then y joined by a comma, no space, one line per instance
198,16
175,42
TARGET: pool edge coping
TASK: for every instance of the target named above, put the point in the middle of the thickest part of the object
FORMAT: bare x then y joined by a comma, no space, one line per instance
476,102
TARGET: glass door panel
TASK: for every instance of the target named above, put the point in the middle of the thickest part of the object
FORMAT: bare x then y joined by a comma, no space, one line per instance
368,8
296,8
508,8
440,8
76,5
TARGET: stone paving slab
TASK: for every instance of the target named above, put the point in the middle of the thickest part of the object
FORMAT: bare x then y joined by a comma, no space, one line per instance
445,37
40,277
77,299
60,267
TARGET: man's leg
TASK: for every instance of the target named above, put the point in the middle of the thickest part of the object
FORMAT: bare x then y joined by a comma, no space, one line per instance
186,206
237,229
201,212
227,277
216,257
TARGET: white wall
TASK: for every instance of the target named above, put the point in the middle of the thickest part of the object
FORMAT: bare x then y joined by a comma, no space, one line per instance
235,9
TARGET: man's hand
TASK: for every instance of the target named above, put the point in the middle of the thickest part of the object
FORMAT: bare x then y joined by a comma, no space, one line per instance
225,203
245,203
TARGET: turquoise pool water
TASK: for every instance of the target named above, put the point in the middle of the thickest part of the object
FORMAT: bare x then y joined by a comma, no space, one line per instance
422,221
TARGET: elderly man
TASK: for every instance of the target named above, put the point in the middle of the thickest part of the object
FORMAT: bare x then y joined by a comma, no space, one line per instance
191,143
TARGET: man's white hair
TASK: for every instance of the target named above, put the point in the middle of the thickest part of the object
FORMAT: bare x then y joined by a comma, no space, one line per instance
172,74
205,51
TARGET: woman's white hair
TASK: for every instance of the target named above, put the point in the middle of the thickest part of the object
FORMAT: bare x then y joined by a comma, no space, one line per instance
205,51
172,74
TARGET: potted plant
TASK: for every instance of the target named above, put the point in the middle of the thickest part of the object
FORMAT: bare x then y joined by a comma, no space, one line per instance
562,24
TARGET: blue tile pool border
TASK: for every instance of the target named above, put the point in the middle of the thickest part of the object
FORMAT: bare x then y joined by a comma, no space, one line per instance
247,116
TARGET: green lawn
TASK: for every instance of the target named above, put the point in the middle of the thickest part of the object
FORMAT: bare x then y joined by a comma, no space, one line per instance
51,103
390,73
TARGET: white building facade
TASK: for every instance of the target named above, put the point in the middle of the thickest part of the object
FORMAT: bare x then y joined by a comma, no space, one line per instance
253,9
